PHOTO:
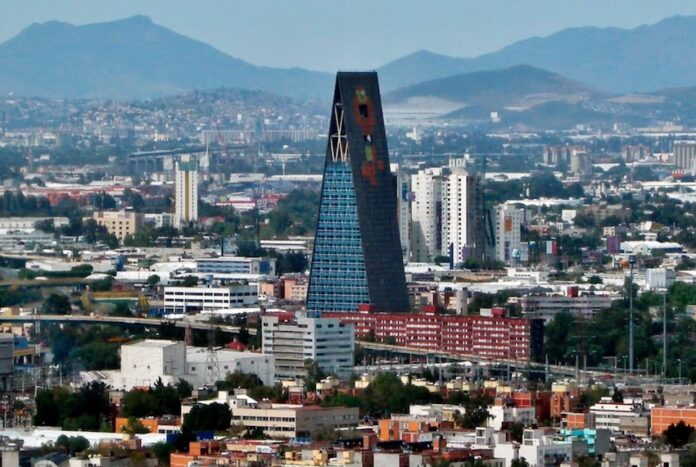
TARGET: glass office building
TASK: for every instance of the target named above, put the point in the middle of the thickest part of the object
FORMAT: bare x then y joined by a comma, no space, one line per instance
357,256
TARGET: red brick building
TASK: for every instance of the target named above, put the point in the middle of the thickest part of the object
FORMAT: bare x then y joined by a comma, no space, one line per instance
495,336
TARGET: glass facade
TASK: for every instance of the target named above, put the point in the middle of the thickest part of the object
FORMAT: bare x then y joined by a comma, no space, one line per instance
338,281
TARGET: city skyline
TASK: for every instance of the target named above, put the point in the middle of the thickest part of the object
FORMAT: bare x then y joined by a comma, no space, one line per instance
246,31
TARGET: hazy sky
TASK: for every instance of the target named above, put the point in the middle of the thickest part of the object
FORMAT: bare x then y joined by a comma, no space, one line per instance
349,34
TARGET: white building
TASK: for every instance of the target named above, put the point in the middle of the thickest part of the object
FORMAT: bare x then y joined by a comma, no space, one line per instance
426,215
146,361
539,447
508,240
193,299
403,209
327,341
186,191
236,265
462,215
613,416
503,415
659,278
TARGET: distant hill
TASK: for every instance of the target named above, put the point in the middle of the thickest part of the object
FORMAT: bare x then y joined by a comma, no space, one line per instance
646,58
518,86
134,58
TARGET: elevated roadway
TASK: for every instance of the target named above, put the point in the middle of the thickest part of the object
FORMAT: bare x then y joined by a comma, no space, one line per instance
122,321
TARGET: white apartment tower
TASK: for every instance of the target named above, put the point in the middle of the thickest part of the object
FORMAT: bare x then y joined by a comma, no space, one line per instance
327,341
462,216
186,186
426,215
508,223
403,208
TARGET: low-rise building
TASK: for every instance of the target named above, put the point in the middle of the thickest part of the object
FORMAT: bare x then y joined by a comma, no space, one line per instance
236,265
293,421
195,299
547,306
119,223
145,362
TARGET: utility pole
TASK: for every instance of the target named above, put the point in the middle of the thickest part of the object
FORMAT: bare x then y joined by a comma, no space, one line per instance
631,262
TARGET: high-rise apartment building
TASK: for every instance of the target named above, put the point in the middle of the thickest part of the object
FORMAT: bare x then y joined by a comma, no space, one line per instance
426,215
508,241
402,181
357,255
462,216
327,341
186,191
685,154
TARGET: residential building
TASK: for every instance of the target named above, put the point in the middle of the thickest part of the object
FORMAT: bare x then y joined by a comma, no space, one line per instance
685,155
119,223
426,215
402,181
615,416
547,306
186,191
495,336
295,288
662,417
236,265
462,216
194,299
327,341
357,255
29,223
508,240
6,360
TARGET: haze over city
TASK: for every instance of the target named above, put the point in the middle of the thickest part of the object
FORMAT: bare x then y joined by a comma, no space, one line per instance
358,234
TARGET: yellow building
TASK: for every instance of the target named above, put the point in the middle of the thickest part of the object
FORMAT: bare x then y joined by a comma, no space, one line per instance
119,223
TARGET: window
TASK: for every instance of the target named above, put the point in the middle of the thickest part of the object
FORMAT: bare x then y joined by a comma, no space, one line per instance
367,138
362,109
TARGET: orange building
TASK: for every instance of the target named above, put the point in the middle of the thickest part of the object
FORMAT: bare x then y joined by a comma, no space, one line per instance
154,424
662,417
541,401
564,402
398,428
577,420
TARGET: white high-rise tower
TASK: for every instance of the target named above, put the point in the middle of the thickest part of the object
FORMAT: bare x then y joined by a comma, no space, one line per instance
186,187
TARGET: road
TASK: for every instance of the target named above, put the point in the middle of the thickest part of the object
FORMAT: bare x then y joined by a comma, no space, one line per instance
119,320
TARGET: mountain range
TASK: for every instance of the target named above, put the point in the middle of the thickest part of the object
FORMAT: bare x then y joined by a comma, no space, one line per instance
646,58
136,58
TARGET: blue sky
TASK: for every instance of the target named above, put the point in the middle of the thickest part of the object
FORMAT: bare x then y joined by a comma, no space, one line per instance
349,34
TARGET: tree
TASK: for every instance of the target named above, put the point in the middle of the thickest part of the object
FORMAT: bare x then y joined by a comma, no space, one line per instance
617,397
162,452
153,280
475,411
678,435
208,417
521,462
134,427
56,304
72,444
314,374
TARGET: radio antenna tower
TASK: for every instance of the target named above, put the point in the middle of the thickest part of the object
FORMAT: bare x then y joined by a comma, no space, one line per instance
212,364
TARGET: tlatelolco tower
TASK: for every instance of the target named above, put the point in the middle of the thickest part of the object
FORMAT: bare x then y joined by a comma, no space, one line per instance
357,252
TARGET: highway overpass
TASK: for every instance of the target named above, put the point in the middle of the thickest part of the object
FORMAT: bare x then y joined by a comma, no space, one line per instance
120,320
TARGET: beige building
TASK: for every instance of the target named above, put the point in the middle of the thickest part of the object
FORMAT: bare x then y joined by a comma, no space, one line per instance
119,223
292,421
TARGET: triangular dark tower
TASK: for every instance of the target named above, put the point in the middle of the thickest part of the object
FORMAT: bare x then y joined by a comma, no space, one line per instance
357,252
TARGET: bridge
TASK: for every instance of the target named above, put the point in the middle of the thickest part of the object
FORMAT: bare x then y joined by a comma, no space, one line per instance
585,374
123,321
